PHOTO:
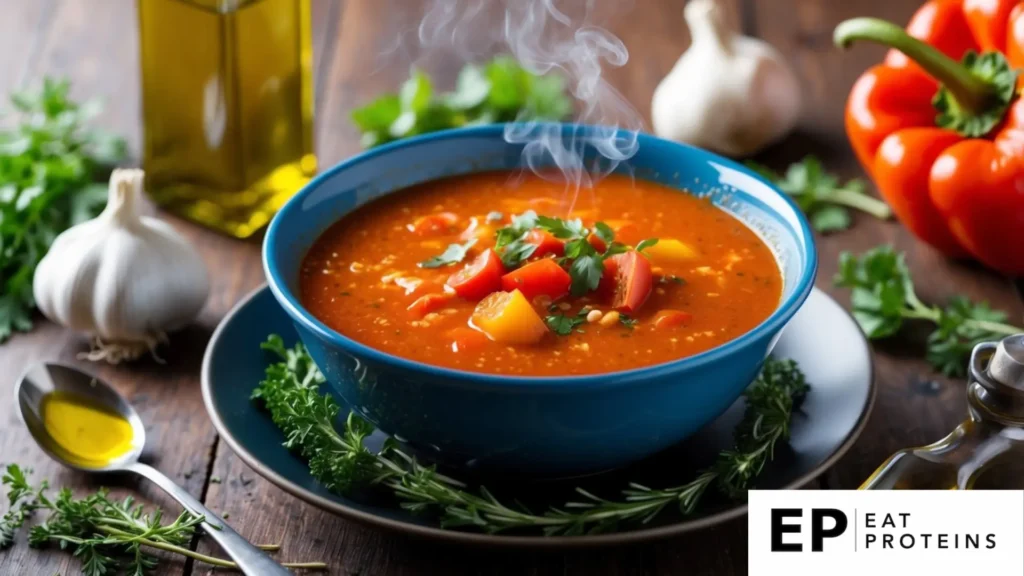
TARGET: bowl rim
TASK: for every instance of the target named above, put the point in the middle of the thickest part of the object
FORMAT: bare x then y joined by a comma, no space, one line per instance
289,302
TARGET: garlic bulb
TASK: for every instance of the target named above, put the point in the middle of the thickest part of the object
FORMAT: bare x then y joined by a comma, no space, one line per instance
729,93
123,278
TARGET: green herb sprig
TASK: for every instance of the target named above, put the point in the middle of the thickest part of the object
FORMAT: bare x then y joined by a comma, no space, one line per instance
822,197
49,163
339,459
106,535
883,297
498,91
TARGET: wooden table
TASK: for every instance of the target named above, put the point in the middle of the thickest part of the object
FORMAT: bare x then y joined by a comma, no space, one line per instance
95,44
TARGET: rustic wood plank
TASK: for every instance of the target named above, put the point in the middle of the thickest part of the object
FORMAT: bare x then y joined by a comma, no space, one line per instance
93,44
364,47
915,405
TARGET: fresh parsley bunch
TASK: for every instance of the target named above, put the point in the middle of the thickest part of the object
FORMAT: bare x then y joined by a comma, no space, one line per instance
821,196
883,297
339,459
49,163
498,91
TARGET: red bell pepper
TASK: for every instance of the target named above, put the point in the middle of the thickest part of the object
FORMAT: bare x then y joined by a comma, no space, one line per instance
940,128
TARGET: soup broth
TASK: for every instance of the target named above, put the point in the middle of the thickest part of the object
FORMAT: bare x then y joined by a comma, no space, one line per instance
437,274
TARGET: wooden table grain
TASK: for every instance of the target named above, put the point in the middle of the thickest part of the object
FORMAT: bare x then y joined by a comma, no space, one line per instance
364,47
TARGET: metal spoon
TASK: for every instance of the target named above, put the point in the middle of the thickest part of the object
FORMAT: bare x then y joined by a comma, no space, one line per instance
44,378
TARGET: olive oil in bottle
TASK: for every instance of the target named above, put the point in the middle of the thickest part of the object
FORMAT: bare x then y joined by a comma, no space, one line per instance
227,97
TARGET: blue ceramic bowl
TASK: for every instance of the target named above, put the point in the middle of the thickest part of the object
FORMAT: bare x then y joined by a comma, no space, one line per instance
539,426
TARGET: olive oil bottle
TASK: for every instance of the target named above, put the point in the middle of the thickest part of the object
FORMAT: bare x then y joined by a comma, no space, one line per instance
986,451
227,97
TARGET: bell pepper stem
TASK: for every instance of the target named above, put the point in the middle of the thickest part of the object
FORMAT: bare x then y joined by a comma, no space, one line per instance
970,92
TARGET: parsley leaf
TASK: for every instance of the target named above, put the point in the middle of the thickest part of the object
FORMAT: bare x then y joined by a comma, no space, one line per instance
604,232
563,229
516,252
454,254
821,196
883,298
510,240
499,91
585,273
646,244
564,325
627,321
49,161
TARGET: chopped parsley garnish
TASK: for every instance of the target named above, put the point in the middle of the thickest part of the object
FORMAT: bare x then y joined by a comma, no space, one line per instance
564,325
454,254
646,244
511,240
584,262
627,321
671,278
604,232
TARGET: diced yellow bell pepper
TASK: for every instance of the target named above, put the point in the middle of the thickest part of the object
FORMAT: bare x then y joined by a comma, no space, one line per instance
669,251
508,318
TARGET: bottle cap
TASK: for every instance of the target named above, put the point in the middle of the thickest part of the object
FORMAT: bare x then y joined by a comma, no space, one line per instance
1007,363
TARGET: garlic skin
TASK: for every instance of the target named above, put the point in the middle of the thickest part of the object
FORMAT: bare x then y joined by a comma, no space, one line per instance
123,278
728,93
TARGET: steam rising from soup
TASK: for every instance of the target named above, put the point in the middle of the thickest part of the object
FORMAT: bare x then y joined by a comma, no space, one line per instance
546,36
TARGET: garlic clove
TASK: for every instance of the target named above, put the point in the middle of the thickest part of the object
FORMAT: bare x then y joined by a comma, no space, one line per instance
729,93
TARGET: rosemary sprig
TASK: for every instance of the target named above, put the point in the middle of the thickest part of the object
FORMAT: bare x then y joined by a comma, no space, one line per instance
339,459
883,297
108,536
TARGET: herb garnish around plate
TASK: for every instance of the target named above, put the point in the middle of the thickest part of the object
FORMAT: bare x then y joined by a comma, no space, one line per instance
107,536
49,165
453,254
340,461
822,197
585,263
498,91
883,297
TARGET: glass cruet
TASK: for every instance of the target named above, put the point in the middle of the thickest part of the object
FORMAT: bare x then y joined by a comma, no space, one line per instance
986,451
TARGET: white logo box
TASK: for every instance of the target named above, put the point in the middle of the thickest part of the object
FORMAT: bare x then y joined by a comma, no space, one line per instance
911,533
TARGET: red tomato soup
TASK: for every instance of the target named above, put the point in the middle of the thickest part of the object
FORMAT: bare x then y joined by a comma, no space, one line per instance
500,274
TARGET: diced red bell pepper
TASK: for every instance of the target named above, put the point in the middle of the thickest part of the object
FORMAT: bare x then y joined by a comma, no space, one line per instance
439,223
597,242
479,278
428,303
545,242
536,278
465,339
665,319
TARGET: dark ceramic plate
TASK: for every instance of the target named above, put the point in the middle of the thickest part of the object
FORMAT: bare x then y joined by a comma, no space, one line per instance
822,337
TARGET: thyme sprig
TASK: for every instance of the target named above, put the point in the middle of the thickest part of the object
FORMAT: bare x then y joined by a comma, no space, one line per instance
339,459
108,536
